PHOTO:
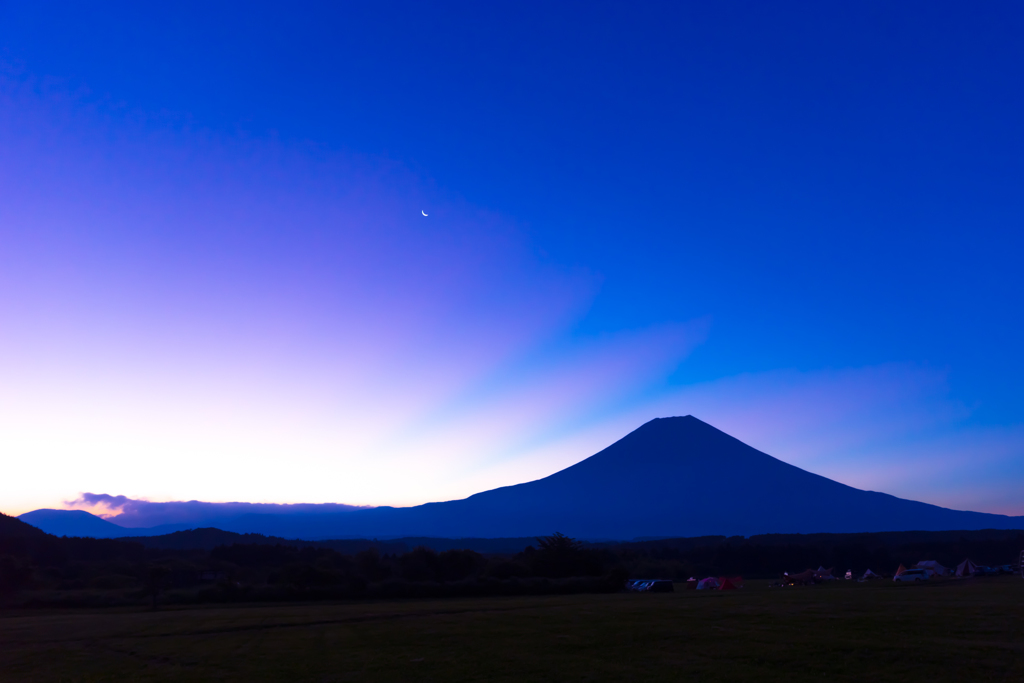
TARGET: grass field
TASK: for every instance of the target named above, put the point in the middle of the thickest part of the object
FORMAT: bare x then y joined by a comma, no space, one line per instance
948,631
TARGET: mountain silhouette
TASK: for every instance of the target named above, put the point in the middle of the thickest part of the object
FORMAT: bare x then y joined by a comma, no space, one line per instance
672,477
73,523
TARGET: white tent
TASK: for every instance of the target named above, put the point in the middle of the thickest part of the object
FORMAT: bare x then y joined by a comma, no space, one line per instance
870,575
966,568
933,567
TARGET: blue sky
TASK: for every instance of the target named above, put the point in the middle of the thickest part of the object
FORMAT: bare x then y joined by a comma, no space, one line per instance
799,222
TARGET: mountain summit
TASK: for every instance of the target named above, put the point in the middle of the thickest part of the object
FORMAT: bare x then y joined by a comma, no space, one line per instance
673,476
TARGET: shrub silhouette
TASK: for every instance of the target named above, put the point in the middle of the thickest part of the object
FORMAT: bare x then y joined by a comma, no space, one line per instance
303,575
370,566
421,564
456,565
559,556
15,574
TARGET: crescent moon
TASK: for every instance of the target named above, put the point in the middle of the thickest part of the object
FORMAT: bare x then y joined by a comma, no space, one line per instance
423,212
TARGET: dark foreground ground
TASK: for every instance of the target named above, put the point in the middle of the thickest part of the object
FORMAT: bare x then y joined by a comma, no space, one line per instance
948,631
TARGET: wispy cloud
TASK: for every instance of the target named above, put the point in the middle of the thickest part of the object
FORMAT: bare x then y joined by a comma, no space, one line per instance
136,513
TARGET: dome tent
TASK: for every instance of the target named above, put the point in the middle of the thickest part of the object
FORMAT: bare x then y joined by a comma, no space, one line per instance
932,567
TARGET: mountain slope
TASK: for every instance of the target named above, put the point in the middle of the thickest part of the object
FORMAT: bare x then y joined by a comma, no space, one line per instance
12,527
672,477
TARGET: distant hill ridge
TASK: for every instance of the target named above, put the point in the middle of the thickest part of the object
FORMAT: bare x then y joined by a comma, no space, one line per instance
672,477
954,544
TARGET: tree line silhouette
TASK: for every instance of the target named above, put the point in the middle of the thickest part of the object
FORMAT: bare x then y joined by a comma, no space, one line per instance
40,569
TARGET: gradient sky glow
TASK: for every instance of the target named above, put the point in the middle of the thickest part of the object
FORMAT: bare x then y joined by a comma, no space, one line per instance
799,223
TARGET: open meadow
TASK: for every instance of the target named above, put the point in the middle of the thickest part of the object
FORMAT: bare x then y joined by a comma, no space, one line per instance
948,630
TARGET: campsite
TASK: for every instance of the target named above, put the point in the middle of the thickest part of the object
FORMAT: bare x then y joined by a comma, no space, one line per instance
249,608
838,630
212,604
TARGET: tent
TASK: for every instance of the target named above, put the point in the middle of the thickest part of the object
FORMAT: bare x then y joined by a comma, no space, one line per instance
729,584
691,584
650,586
933,567
710,583
966,568
901,569
805,577
870,575
824,574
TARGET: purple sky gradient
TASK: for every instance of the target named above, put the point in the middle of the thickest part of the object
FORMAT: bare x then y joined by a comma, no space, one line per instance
219,312
193,314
